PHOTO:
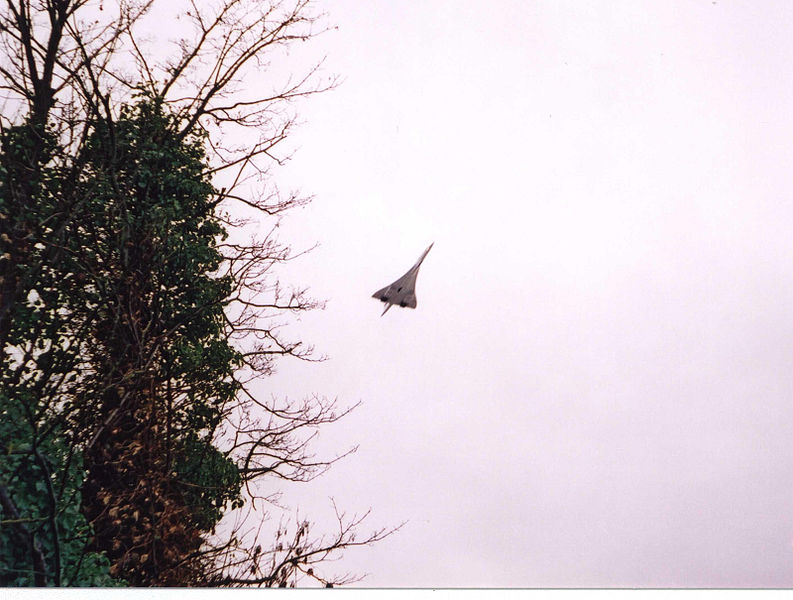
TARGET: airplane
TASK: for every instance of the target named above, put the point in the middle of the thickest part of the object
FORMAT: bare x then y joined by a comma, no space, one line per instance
403,290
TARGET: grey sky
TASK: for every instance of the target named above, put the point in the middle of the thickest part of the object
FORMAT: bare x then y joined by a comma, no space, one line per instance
595,388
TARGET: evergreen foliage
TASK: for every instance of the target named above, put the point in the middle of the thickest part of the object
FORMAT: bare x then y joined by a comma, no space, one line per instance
146,324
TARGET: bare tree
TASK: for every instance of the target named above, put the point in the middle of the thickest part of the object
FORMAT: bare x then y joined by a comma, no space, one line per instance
295,555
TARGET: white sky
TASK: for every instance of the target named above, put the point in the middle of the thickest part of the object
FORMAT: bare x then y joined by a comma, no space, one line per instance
595,388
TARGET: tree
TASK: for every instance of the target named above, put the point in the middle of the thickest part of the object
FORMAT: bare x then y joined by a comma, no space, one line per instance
131,323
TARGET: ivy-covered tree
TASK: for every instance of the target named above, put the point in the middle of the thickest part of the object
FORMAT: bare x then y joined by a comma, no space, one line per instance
130,325
163,368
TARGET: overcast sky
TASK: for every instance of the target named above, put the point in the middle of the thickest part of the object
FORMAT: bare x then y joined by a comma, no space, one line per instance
596,387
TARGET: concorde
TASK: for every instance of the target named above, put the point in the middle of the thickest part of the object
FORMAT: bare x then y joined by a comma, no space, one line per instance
403,290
